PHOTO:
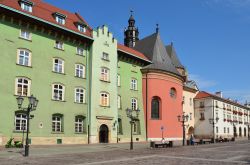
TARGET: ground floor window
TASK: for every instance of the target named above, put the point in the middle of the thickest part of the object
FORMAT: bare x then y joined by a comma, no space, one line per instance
79,124
20,122
57,123
136,127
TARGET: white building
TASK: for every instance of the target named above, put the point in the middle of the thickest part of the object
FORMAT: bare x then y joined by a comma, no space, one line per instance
229,117
190,90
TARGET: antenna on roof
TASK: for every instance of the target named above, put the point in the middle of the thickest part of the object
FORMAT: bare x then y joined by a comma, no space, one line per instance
157,28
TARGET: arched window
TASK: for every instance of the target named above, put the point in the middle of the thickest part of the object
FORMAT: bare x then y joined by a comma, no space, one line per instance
155,108
58,65
80,70
79,124
104,99
172,93
134,104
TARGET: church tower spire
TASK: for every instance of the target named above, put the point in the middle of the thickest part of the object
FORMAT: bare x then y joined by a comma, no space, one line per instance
131,33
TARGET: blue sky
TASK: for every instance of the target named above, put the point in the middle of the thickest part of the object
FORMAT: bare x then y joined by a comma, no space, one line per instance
211,37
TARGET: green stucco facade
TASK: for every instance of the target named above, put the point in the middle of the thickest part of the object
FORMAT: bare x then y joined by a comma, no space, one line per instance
41,75
42,78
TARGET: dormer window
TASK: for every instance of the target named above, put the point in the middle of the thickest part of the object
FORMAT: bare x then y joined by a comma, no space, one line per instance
26,5
82,28
60,18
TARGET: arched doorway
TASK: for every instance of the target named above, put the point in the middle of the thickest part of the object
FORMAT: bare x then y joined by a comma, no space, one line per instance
245,132
104,134
240,133
190,131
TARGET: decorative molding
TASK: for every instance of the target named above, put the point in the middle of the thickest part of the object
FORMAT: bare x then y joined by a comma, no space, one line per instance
105,117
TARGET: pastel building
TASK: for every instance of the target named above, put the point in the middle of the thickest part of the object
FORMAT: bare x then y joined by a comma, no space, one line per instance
190,90
162,85
230,117
84,80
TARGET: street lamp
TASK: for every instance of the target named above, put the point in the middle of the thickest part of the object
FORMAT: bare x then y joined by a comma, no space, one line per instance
31,107
133,114
213,122
183,118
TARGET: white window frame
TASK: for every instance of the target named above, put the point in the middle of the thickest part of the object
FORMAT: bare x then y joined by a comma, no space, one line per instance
24,58
26,7
80,51
60,20
104,99
58,66
80,70
59,45
104,74
81,28
20,122
119,102
25,34
133,84
57,123
79,123
118,80
22,85
134,104
79,95
58,92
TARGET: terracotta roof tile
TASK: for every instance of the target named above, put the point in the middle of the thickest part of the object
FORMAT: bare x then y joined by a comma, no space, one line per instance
45,11
203,94
132,51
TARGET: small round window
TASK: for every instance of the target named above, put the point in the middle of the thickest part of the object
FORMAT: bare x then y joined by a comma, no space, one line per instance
173,93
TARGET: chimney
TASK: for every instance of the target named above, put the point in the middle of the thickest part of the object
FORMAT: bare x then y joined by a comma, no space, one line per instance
219,94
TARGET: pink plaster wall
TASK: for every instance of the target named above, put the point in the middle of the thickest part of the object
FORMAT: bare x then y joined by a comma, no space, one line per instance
159,85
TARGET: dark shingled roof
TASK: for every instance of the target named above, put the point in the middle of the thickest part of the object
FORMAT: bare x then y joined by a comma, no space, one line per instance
153,48
172,54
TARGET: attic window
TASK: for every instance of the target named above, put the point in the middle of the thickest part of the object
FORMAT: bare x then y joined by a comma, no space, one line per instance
81,26
60,18
26,5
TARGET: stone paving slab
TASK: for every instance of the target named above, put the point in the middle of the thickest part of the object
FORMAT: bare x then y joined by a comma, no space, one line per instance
222,153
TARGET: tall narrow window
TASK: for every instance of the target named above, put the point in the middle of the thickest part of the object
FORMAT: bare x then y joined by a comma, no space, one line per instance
24,57
20,122
104,74
57,123
22,87
25,34
172,93
133,84
119,102
58,65
80,70
134,105
79,95
58,92
155,108
119,126
136,127
79,124
118,80
104,99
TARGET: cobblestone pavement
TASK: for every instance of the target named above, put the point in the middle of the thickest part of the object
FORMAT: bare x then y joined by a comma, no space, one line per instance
113,154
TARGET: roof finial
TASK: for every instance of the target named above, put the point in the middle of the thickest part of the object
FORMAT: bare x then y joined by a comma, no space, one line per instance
157,28
131,12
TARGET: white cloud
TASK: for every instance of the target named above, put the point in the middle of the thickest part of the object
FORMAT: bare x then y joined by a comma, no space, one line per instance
202,82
